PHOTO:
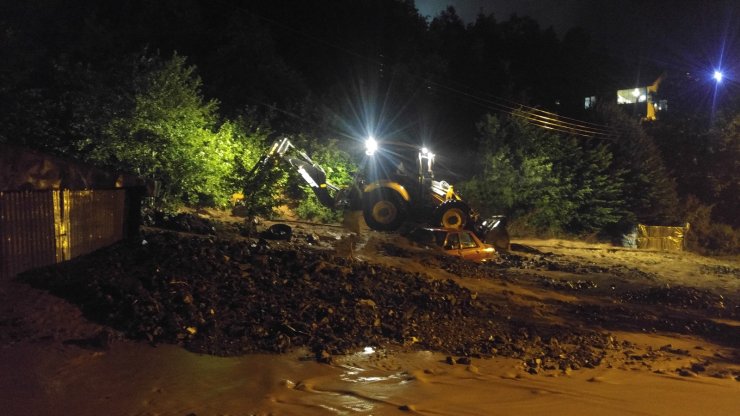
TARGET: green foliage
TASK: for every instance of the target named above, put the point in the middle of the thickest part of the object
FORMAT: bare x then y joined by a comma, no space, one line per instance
706,236
310,209
556,182
68,101
723,179
559,183
702,152
252,136
167,132
590,191
649,192
719,239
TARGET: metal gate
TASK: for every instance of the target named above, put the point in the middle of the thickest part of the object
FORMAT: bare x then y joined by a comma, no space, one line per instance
40,228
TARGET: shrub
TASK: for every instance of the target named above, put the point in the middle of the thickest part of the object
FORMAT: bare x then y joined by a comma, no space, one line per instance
706,236
555,182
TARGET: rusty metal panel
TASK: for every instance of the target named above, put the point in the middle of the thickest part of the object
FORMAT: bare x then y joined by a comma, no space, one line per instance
40,228
664,238
95,219
26,231
61,228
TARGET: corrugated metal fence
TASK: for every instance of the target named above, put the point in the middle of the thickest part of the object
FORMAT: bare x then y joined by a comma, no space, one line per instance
39,228
654,237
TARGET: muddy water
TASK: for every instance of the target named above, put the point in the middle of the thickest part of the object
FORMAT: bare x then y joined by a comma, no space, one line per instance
136,379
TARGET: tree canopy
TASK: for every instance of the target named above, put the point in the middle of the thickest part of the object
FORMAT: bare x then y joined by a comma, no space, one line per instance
554,182
188,93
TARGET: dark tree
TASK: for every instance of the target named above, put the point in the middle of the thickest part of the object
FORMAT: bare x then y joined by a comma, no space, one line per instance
649,190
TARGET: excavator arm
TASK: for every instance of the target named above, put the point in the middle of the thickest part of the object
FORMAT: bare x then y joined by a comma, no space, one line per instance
284,151
385,203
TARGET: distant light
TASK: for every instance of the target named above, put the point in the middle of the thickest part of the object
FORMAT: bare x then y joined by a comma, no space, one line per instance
370,146
368,350
424,150
717,76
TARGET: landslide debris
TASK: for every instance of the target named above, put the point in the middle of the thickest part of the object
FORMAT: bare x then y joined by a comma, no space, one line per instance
236,296
611,298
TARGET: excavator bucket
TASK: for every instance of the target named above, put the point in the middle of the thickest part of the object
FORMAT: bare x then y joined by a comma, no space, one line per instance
493,231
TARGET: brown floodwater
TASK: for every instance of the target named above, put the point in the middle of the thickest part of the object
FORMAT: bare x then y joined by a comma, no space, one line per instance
137,379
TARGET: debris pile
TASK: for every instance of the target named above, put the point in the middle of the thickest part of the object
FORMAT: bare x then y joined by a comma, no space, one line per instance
185,222
682,297
535,260
230,297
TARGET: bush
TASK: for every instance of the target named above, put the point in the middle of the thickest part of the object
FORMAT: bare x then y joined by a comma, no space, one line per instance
706,236
648,190
554,182
158,126
721,239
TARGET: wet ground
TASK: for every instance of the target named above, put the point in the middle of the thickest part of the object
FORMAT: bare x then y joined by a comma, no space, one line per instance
226,295
383,318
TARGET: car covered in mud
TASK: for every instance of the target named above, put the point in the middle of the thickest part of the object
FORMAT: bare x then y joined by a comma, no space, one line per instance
455,242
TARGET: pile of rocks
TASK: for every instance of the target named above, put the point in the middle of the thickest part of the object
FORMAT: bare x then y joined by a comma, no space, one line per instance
230,297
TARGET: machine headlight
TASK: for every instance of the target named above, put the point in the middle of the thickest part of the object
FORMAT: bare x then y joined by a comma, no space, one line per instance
370,146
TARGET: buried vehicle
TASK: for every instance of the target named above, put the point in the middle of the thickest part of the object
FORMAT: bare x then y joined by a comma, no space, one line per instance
386,202
454,242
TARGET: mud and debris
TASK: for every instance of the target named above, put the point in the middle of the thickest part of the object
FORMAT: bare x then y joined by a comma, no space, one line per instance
227,297
205,286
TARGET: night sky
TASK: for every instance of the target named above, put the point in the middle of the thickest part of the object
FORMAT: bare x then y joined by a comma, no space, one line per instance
686,35
561,14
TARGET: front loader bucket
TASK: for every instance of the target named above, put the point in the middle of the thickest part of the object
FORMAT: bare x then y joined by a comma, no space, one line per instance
493,231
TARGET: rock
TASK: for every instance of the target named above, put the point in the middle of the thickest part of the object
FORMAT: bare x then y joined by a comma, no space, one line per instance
698,368
312,238
324,357
684,372
463,360
233,297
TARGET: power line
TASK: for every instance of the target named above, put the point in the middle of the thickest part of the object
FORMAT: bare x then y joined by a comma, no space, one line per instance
510,103
530,114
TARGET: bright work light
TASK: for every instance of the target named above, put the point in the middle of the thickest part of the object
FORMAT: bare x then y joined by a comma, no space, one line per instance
717,76
370,146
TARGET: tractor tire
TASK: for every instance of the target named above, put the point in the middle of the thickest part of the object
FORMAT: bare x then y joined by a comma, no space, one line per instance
451,214
384,210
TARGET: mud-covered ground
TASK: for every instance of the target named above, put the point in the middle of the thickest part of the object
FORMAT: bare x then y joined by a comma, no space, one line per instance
212,289
554,307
